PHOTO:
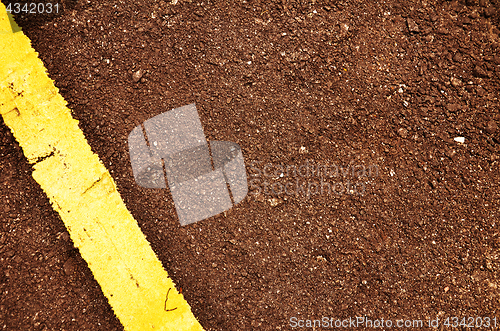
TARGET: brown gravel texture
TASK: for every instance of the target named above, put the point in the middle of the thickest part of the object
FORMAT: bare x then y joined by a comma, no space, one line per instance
375,92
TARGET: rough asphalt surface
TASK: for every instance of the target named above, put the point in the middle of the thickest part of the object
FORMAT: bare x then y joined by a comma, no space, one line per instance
397,100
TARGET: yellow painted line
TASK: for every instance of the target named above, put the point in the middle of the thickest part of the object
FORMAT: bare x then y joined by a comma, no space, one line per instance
82,191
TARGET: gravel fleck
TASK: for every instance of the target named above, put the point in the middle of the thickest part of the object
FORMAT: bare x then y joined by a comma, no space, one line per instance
136,76
491,127
412,26
403,133
456,82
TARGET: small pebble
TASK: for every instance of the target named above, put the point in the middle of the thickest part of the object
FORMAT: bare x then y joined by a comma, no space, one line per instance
456,82
490,11
136,76
442,30
412,26
65,236
68,267
458,57
274,202
403,133
450,153
453,107
491,127
459,139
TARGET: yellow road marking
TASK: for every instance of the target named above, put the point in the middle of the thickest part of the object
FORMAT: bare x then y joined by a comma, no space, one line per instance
82,191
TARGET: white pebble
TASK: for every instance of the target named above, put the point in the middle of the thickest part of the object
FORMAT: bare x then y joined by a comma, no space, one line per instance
459,139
